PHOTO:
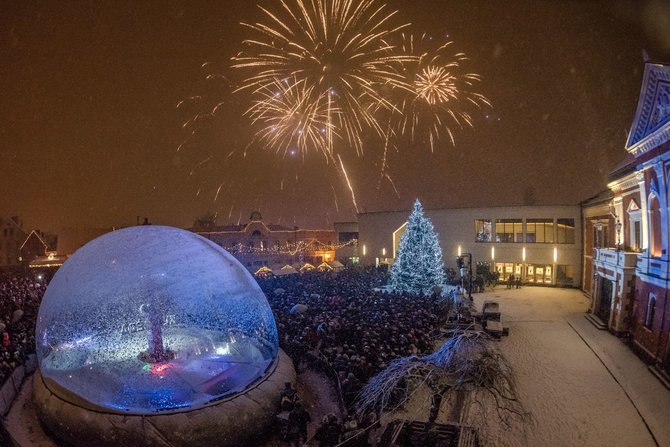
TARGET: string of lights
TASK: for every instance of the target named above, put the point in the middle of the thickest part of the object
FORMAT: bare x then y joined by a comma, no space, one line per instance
292,249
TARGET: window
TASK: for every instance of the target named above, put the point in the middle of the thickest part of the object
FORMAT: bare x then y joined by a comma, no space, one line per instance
509,230
347,236
600,235
565,231
651,306
637,235
634,226
565,275
538,273
656,228
483,230
540,231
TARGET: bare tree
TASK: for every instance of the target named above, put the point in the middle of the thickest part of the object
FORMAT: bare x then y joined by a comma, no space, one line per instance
467,364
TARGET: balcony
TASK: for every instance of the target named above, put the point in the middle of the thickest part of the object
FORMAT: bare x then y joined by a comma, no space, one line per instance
615,258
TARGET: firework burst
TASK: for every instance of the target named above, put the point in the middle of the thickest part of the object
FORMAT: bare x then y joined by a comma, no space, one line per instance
337,51
292,117
436,93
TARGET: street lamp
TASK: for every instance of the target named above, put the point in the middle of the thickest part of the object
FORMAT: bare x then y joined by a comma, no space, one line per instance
460,261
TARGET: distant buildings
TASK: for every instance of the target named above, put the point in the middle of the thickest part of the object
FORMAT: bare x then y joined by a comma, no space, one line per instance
12,236
627,231
257,244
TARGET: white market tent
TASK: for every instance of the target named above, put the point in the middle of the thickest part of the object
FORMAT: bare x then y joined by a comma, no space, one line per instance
336,265
286,270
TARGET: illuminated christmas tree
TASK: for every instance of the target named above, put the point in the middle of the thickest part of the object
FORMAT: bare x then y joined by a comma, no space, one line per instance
418,267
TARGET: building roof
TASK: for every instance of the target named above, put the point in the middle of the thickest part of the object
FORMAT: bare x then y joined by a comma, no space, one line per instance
651,125
32,234
627,165
603,196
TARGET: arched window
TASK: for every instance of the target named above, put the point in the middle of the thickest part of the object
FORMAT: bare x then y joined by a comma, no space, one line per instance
651,305
655,227
257,233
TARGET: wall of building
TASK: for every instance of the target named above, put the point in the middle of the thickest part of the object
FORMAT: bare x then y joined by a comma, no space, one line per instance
12,236
346,235
379,235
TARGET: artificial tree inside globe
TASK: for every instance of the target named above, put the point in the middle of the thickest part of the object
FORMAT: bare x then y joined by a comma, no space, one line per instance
154,319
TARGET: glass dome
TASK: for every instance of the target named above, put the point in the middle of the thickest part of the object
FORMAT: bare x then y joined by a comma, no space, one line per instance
153,318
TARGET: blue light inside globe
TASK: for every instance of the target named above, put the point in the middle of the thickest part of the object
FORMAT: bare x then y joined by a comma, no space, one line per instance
154,318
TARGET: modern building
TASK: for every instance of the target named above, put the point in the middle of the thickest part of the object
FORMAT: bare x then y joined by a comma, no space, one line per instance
540,244
257,244
347,239
627,231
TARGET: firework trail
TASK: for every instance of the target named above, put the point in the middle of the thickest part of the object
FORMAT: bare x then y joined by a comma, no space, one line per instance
351,189
218,191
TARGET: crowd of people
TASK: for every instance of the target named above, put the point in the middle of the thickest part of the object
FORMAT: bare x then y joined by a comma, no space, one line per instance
341,324
20,297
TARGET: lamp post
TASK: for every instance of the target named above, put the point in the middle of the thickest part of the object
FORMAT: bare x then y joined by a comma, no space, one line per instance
460,261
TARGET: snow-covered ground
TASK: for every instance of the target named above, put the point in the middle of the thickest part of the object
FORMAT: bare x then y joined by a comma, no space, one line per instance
582,386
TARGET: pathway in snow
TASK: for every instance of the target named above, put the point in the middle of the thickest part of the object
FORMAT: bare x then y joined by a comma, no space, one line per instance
566,374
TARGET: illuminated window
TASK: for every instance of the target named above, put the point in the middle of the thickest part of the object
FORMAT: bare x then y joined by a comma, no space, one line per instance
634,242
483,230
347,236
565,231
655,227
541,231
509,230
651,306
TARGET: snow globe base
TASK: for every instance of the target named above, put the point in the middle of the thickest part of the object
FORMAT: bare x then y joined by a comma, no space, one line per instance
236,421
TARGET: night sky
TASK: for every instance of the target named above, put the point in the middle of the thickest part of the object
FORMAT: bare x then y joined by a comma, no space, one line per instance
89,127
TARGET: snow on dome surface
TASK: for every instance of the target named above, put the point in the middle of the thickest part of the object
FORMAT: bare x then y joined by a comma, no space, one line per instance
154,318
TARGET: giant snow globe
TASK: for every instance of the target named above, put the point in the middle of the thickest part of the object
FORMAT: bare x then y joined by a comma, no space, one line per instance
153,319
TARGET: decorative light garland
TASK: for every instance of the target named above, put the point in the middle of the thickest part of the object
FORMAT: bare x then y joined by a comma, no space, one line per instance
310,245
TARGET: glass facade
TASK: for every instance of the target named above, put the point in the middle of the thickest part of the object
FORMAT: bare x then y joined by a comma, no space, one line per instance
509,230
539,273
483,230
565,275
542,230
565,231
507,269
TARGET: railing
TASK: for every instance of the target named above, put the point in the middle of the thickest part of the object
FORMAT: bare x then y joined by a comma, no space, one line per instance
12,386
616,258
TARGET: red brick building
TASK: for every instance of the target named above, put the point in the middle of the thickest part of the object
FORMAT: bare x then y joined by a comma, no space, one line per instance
627,231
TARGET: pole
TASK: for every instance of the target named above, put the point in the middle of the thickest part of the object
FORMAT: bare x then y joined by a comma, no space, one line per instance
470,273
